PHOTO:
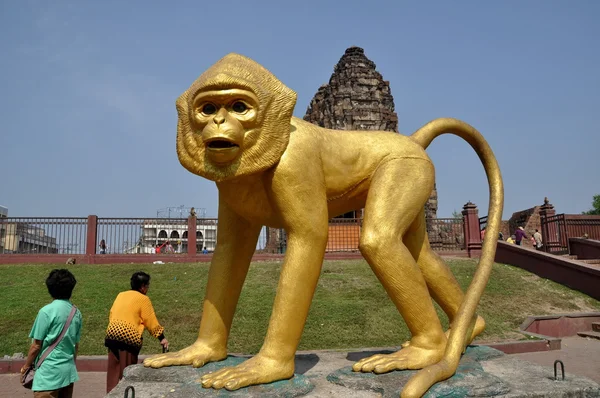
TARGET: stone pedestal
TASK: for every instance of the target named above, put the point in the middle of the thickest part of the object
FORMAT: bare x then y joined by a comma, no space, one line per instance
183,381
483,372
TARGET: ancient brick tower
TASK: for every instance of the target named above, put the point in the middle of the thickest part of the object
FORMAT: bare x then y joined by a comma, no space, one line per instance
357,98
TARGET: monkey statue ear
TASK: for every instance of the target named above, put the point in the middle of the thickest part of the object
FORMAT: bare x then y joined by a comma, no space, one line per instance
277,116
269,140
185,133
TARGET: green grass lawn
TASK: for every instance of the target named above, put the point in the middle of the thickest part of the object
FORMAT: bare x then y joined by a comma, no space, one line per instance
350,308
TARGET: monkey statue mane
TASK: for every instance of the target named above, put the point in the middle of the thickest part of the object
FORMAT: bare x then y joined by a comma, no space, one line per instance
263,145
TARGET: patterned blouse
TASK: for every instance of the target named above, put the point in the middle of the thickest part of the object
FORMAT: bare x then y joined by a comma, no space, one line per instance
131,312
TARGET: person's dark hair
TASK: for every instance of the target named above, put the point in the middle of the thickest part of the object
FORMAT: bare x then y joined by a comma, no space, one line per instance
139,279
61,283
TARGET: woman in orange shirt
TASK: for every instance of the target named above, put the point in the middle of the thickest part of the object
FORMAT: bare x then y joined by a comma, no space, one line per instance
131,312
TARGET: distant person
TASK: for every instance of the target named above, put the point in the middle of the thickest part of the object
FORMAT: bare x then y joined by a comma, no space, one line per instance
131,312
482,234
511,239
102,247
204,251
57,373
519,235
500,235
538,239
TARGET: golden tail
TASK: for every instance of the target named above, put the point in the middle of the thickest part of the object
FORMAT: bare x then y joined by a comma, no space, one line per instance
425,378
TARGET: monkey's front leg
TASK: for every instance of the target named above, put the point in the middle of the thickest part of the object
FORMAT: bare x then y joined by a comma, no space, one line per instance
236,243
307,237
297,283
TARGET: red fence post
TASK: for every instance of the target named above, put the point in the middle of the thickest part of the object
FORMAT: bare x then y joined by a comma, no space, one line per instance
92,235
549,232
192,236
547,209
471,229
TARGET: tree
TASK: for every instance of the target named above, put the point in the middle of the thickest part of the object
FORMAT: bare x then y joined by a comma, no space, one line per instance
457,215
595,211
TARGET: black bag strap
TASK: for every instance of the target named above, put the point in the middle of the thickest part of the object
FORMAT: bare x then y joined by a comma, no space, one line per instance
59,338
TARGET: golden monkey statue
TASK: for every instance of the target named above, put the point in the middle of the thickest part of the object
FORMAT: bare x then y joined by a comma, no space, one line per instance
236,128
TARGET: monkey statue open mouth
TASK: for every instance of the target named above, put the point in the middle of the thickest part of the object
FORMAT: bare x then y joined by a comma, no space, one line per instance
235,127
221,150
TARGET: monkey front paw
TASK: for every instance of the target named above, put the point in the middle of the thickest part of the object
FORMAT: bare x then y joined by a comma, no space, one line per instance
197,355
411,357
256,370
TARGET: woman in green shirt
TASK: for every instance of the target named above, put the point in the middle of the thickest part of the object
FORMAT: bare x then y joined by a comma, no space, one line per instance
55,378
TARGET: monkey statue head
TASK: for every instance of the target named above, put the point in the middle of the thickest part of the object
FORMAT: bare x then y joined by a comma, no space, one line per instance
234,120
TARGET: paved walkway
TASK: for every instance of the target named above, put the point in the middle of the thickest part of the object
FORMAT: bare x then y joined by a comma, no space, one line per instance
90,385
580,356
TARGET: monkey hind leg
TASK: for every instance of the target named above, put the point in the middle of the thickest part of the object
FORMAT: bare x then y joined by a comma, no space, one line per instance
446,291
399,189
442,284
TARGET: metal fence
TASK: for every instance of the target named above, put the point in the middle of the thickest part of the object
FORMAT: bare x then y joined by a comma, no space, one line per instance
446,234
42,235
171,235
344,234
141,235
206,235
557,229
483,222
581,225
554,234
154,235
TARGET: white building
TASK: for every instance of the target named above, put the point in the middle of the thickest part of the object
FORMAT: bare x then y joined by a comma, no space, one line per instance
175,232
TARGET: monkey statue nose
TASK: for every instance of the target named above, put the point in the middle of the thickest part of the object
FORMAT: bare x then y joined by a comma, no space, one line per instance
219,119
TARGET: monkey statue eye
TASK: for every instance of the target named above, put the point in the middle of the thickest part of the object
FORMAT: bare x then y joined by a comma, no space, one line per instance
239,107
209,109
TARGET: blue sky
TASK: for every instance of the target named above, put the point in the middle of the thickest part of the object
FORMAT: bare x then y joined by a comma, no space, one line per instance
89,88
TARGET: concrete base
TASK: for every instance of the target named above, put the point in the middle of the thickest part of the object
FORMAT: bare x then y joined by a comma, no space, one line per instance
483,372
